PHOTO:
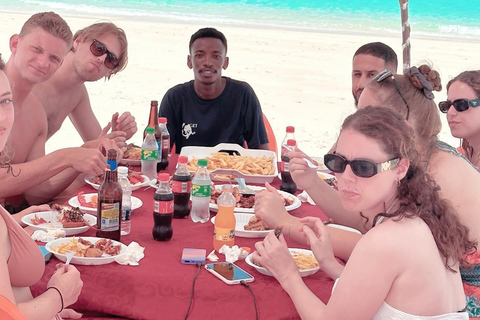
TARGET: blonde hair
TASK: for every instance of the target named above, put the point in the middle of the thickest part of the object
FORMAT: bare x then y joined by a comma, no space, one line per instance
101,28
51,23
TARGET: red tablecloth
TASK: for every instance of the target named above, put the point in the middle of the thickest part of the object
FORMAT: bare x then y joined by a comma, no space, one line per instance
160,287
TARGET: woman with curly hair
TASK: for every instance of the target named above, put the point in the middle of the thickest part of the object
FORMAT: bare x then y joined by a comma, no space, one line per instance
407,264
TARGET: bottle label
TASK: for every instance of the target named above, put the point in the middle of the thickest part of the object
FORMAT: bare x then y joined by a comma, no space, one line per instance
126,214
113,164
163,207
181,186
151,155
284,166
110,216
201,191
223,234
166,143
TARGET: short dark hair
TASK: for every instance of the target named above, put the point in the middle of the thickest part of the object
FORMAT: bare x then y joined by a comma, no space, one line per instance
379,50
208,33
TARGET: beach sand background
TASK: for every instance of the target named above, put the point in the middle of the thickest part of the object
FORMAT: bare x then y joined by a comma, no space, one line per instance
301,78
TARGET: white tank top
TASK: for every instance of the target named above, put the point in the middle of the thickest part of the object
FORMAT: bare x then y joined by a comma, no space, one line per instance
388,312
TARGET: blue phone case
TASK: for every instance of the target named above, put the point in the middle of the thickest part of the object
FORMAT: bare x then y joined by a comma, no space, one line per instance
46,254
192,256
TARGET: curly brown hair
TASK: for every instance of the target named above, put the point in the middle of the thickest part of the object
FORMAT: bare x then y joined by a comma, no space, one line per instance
472,79
418,193
424,114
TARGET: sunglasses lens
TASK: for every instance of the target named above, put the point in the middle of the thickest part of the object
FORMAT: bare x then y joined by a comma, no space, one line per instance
334,163
111,61
363,168
97,49
460,105
444,106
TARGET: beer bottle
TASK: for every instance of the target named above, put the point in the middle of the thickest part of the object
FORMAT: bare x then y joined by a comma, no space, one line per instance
163,209
153,123
109,208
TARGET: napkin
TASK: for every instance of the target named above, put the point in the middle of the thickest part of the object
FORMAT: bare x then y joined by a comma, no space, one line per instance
305,197
133,254
234,253
212,256
51,234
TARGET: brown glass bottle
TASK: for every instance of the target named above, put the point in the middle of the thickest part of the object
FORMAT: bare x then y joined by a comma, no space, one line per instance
109,208
153,122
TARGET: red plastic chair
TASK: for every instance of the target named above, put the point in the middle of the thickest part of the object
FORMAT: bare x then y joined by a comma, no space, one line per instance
272,141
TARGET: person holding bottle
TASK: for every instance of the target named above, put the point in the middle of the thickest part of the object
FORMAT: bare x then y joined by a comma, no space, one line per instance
212,109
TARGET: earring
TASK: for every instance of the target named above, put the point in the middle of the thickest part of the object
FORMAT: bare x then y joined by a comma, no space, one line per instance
398,183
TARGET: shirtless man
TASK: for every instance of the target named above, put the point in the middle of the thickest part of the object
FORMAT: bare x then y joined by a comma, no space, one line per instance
37,52
98,51
368,61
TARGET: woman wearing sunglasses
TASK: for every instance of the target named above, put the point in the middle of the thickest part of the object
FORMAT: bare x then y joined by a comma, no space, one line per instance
407,264
463,114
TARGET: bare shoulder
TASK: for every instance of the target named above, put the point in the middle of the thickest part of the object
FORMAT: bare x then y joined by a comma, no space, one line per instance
447,168
4,238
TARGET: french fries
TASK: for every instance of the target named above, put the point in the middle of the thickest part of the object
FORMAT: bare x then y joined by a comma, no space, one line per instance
304,261
72,245
247,165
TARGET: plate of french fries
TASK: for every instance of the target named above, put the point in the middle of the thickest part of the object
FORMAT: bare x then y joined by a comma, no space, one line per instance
306,262
255,166
63,245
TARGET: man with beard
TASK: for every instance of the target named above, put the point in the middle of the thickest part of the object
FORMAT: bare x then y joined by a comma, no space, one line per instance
368,61
99,50
212,109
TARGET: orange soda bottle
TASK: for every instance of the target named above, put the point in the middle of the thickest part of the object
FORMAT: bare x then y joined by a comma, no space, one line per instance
224,230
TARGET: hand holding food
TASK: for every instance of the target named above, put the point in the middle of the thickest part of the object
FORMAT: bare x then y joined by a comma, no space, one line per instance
270,207
126,123
302,174
319,240
68,282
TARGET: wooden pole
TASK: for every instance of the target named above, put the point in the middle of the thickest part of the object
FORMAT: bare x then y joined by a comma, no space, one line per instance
405,34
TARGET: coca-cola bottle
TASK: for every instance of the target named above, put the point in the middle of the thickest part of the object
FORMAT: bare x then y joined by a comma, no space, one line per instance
163,209
181,187
287,184
109,207
289,135
164,146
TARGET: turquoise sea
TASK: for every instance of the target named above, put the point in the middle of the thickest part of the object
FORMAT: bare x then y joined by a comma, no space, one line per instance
440,18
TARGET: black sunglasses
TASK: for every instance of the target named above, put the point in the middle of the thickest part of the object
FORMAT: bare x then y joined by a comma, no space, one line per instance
361,167
459,105
385,74
99,49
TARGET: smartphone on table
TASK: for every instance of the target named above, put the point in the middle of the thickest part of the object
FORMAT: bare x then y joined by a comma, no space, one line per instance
229,272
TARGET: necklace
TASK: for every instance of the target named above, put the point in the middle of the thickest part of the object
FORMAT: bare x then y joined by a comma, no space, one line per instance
380,220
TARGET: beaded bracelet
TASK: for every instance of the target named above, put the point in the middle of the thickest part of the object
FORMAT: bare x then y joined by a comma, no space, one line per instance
290,228
61,297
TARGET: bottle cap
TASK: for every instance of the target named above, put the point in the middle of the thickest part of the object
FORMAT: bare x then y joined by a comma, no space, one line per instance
154,103
183,159
163,177
162,120
150,130
227,188
291,142
290,129
122,170
202,162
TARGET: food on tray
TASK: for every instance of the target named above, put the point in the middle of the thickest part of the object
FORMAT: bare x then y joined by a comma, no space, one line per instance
330,181
248,165
69,217
133,176
84,248
92,203
132,152
38,220
304,261
255,224
244,201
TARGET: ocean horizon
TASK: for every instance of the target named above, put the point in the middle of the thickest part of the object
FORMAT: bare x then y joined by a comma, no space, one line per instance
439,19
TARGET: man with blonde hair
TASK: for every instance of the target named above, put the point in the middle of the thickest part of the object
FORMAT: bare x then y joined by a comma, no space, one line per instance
37,52
99,50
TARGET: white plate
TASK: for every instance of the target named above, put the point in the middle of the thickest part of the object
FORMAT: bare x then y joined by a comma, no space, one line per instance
53,223
303,273
135,186
153,183
325,175
343,228
131,162
296,202
242,219
84,260
136,203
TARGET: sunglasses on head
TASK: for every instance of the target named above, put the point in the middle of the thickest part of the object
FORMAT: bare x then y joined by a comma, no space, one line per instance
459,105
99,49
385,74
360,167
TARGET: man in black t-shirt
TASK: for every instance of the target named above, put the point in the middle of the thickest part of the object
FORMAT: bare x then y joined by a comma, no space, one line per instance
212,109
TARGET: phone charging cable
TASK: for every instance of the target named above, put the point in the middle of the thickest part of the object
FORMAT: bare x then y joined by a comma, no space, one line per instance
199,265
244,283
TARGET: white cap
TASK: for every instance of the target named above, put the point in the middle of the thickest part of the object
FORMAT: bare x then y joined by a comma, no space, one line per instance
122,170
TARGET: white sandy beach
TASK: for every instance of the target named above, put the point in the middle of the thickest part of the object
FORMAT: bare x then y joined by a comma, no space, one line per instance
301,78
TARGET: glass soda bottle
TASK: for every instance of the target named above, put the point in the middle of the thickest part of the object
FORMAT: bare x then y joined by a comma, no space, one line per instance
289,135
153,122
201,193
149,154
109,207
163,209
287,184
126,199
181,187
164,145
224,230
